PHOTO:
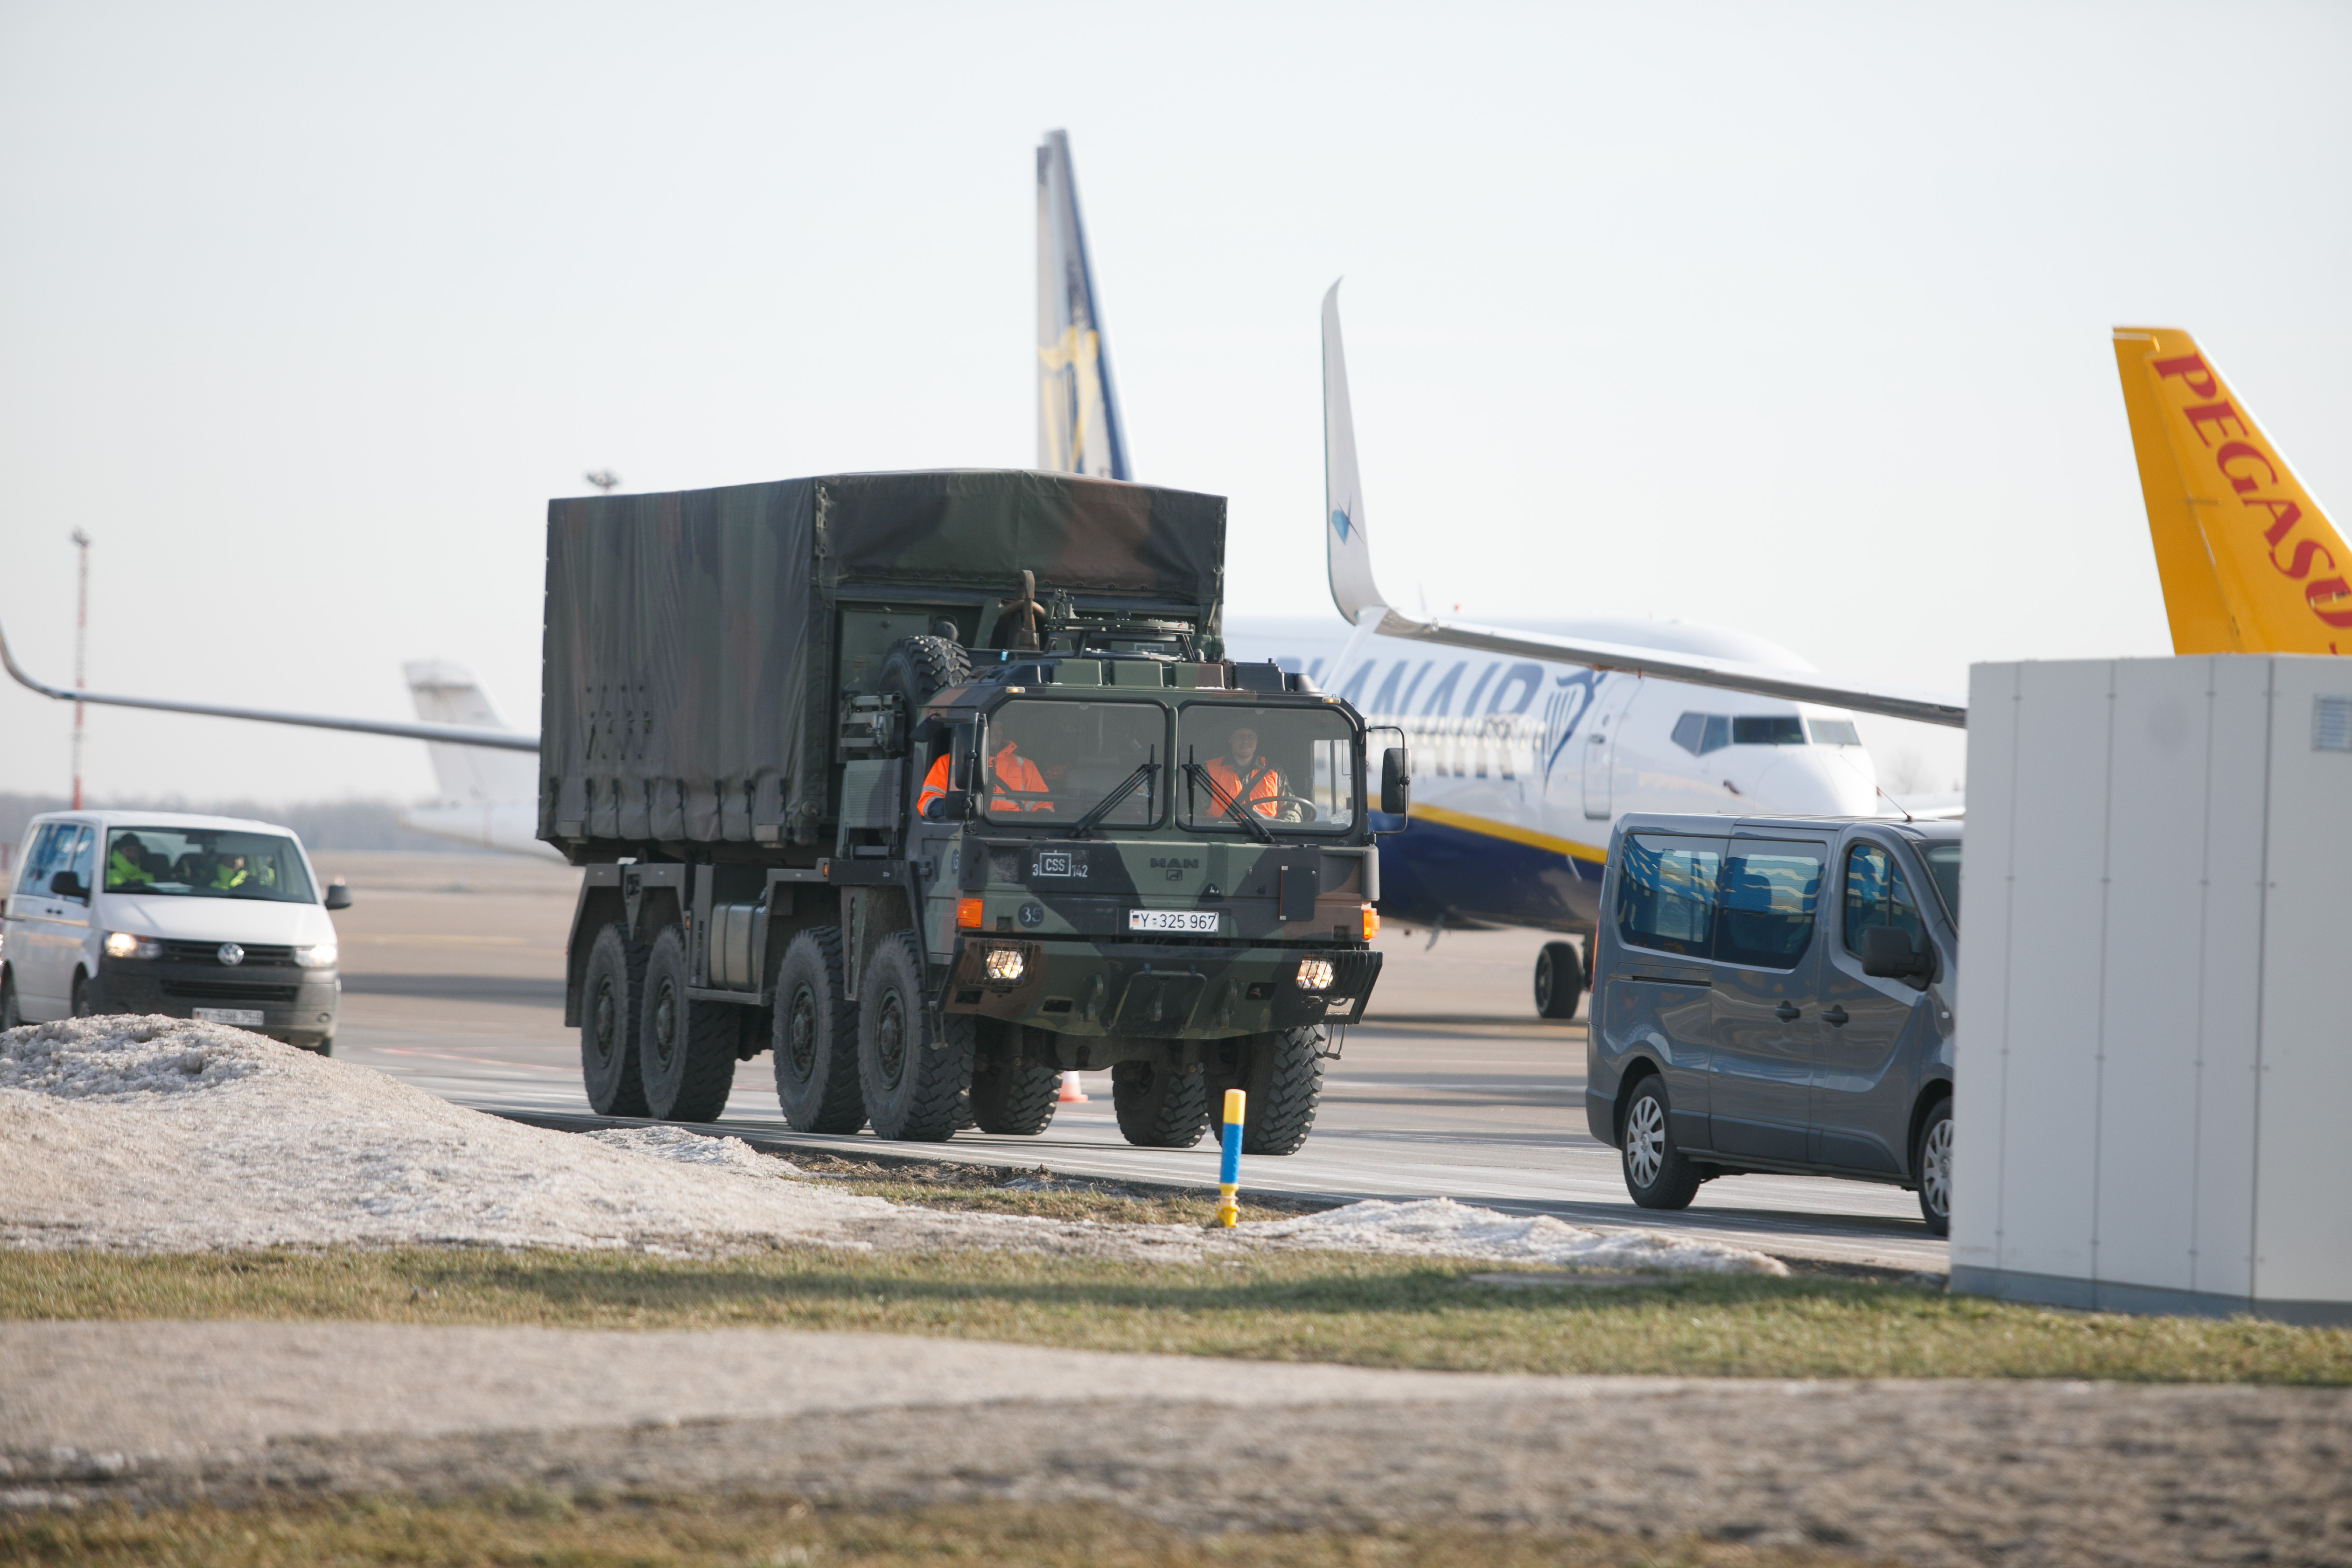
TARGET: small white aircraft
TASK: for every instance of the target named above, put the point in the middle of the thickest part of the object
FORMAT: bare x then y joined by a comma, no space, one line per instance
490,798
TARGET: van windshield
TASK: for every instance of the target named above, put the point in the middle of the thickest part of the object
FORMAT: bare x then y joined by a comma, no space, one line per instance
206,863
1944,870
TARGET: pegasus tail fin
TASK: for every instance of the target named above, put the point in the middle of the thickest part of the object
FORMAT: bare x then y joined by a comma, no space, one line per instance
2249,562
1079,430
1347,553
447,693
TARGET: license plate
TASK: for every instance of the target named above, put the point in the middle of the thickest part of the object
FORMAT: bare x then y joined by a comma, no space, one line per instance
243,1017
1201,922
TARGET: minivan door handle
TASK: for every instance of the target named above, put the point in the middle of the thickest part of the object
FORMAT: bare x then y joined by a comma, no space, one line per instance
1788,1012
1834,1016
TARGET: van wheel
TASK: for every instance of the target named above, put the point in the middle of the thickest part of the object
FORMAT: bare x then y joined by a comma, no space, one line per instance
81,1002
611,995
816,1037
1014,1090
1282,1073
12,1017
914,1082
1931,1165
686,1050
1159,1104
1560,980
1655,1171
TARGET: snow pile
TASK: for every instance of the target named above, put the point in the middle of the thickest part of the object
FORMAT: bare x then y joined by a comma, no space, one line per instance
1440,1227
155,1134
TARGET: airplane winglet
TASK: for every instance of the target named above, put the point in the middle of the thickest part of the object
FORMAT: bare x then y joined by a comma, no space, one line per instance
1346,551
1079,429
453,735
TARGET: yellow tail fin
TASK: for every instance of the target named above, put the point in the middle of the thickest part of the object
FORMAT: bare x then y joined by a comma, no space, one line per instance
2249,562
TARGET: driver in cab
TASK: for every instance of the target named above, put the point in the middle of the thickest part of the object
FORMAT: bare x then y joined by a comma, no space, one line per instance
1017,784
1242,774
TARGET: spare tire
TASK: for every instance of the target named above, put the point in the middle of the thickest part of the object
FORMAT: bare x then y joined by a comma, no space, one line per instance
921,666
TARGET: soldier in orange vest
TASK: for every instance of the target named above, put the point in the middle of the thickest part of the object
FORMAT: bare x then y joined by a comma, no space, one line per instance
1241,774
1014,772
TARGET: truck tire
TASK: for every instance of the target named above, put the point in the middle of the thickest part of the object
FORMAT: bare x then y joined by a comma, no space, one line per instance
1160,1105
1016,1081
1656,1174
686,1050
816,1037
1282,1073
914,1082
921,666
611,995
1560,980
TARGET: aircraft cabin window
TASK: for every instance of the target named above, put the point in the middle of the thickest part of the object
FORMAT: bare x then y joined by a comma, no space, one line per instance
1764,903
1876,895
1699,733
1774,730
1834,732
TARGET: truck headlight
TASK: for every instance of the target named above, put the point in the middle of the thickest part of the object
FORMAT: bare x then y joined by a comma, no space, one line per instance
123,944
317,955
1314,974
1007,962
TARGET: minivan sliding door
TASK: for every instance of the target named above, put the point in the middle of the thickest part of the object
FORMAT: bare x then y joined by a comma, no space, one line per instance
1767,1025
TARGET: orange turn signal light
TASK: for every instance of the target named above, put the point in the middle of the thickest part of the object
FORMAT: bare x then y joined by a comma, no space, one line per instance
968,914
1371,922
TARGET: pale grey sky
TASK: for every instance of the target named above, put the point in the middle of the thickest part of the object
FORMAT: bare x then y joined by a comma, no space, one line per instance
1792,318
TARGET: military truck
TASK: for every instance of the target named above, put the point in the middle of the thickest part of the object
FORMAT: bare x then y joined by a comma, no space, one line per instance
938,786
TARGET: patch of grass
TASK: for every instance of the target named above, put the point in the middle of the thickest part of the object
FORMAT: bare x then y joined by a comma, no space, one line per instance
1050,1194
656,1532
1289,1306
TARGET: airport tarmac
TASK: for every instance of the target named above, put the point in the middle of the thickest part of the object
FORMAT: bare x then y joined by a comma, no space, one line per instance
453,974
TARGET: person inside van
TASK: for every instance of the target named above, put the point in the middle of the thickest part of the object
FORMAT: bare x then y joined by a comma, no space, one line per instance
230,872
126,867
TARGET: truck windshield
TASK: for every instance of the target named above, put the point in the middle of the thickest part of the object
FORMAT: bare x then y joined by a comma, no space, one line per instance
206,863
1287,766
1057,762
1944,870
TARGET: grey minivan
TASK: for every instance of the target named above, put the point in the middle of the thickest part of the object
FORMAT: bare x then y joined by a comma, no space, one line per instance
1775,994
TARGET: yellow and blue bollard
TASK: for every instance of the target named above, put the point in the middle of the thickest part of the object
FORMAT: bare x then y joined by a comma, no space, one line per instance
1229,1169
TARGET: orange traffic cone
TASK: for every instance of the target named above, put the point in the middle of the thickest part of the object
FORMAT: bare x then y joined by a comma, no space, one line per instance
1071,1093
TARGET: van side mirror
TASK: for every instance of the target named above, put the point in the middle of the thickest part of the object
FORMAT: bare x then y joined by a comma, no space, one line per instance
338,897
1396,782
1887,955
68,885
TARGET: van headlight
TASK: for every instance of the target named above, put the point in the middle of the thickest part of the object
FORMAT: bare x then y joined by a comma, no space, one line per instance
123,944
1314,974
1007,962
317,955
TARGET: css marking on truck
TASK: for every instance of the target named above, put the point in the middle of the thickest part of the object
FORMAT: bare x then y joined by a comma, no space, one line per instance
938,784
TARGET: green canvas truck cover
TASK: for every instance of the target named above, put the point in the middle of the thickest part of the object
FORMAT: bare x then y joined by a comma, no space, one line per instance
686,690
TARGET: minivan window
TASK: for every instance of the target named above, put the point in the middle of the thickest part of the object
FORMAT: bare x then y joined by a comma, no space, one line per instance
206,863
1665,891
1944,870
1764,903
1876,895
52,847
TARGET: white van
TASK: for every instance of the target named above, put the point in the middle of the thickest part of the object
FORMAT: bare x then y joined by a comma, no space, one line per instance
157,911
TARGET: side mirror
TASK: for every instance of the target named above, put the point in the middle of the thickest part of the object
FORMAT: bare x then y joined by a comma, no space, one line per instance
338,897
68,885
1396,782
1887,955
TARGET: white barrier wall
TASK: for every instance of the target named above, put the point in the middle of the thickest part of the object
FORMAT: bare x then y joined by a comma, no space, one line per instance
2155,1057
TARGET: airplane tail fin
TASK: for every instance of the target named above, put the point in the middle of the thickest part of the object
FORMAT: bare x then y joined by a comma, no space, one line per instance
447,693
2249,562
1079,430
1347,552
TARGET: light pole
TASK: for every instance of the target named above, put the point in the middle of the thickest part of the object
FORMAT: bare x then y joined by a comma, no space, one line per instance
81,655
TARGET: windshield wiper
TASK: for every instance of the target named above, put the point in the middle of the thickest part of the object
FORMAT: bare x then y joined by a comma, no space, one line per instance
1109,803
1232,802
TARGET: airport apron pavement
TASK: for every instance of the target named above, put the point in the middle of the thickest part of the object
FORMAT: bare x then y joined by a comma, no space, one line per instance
1451,1086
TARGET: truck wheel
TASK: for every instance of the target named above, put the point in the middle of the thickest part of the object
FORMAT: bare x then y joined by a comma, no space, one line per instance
1560,980
611,995
1159,1104
686,1050
1282,1073
914,1080
816,1037
1015,1082
921,666
1655,1171
1931,1163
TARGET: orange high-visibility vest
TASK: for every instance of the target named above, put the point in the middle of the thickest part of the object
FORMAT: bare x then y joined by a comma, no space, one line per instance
1258,793
1013,771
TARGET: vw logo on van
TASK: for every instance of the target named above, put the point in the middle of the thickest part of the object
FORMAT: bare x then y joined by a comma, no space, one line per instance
230,953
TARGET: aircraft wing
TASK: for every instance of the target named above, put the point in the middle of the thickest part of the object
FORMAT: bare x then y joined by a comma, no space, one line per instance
1353,589
451,734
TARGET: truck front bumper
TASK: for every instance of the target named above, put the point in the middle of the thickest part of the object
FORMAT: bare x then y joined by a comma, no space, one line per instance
1166,992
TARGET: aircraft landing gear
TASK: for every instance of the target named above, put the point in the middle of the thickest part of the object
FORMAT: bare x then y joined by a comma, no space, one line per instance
1560,979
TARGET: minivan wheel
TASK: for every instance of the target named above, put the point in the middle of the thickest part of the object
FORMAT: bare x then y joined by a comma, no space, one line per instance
1931,1164
1656,1174
81,1003
12,1017
1560,980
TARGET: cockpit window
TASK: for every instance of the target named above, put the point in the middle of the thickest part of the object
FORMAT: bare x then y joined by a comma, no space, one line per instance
1699,733
1834,732
1767,730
